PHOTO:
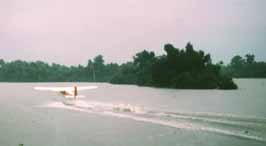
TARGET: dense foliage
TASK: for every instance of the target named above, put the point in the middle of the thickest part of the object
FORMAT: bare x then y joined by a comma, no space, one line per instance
21,71
245,67
179,68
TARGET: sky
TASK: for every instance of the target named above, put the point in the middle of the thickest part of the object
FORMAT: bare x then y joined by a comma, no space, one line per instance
72,31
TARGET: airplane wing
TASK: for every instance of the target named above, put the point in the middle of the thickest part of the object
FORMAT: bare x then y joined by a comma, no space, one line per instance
55,89
59,89
67,92
86,88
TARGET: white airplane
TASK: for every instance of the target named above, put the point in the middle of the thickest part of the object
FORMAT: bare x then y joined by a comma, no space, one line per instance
70,93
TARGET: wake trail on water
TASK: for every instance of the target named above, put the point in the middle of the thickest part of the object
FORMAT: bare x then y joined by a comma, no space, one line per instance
229,125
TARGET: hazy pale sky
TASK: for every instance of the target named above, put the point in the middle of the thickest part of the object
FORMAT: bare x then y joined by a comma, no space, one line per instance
72,31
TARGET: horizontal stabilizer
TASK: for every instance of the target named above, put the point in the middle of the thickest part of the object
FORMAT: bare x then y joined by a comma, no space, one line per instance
71,96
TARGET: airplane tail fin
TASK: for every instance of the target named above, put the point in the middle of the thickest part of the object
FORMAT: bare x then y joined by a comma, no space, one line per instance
75,92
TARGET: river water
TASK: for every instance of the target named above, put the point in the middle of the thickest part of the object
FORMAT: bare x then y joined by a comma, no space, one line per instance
128,115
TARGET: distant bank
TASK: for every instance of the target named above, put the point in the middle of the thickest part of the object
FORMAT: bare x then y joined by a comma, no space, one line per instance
178,68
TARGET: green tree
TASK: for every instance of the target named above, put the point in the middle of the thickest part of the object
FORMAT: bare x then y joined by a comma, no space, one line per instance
237,61
143,62
250,58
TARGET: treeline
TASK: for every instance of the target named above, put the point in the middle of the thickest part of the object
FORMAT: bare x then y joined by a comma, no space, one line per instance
22,71
245,67
178,68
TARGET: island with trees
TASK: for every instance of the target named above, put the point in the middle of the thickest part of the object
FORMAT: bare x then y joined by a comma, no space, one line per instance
184,68
178,68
